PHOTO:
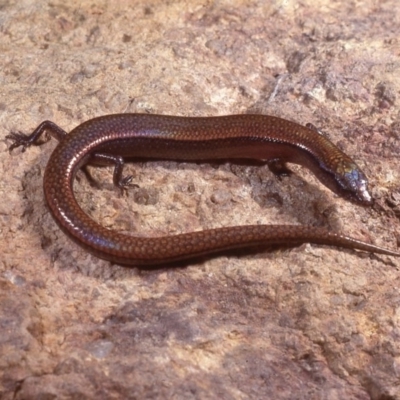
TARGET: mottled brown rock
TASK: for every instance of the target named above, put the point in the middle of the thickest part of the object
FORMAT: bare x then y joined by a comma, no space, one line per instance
308,323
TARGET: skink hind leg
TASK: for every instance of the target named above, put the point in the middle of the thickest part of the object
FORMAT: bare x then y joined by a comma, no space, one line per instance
21,139
122,182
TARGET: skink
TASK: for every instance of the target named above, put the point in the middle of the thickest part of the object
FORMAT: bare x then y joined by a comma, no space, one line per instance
109,139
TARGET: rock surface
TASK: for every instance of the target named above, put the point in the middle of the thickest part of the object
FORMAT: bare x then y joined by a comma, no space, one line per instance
306,323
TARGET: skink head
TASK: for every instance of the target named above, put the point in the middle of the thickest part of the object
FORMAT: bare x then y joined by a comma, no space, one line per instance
345,178
353,184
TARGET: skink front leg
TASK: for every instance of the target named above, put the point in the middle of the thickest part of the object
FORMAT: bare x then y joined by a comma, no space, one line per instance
314,128
278,168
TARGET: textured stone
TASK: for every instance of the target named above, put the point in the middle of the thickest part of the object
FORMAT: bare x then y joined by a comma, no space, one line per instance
307,323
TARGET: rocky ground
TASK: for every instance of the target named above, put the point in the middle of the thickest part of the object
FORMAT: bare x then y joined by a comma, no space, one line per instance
312,322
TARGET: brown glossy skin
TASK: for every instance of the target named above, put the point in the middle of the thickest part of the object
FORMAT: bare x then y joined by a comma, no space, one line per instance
108,139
